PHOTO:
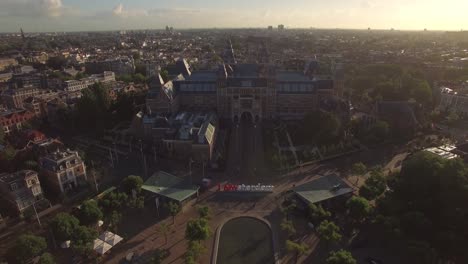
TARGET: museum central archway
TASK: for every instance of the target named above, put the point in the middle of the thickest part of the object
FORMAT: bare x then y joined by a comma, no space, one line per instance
246,118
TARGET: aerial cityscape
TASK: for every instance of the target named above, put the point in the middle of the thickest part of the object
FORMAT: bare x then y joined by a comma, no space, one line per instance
208,132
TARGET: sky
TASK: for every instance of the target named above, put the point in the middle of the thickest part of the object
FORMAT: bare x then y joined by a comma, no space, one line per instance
85,15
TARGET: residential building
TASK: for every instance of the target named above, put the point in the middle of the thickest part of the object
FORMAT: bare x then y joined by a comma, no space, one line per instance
12,120
7,62
63,171
120,65
35,105
20,190
36,80
13,98
78,85
452,101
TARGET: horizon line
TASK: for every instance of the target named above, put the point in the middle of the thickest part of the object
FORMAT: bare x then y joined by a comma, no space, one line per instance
239,28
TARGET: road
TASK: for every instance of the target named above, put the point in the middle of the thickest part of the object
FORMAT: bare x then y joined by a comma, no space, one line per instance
246,161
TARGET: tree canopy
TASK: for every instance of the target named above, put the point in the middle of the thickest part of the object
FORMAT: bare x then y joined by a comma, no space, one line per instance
29,246
90,213
174,209
204,212
388,82
92,109
374,186
131,183
63,226
113,201
358,168
296,248
329,232
341,257
427,202
317,213
197,230
359,208
319,127
57,62
288,226
46,258
82,239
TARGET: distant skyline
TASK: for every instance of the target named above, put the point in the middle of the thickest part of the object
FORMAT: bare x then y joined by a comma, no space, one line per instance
84,15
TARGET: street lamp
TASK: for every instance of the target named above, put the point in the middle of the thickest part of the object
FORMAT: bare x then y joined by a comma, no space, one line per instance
115,150
190,169
35,211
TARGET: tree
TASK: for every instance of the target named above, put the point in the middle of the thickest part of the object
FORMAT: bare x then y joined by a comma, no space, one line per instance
114,220
319,127
8,153
57,62
164,229
102,96
195,249
126,78
374,186
89,213
92,109
358,168
159,255
197,230
359,208
427,181
288,226
2,136
139,78
378,132
296,248
136,55
63,226
452,118
174,209
113,201
164,75
46,258
204,212
287,210
29,246
31,165
317,213
131,183
82,239
329,232
80,75
341,257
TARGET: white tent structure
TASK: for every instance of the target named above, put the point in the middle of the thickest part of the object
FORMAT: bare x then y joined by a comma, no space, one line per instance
110,238
65,244
101,247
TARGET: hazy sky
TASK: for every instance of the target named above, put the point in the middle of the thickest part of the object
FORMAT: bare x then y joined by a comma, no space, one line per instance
72,15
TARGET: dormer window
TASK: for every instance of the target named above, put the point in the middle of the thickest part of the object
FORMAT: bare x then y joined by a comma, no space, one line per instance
14,187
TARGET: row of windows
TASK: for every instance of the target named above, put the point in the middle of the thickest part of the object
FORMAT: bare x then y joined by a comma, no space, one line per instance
14,121
299,110
198,87
296,87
